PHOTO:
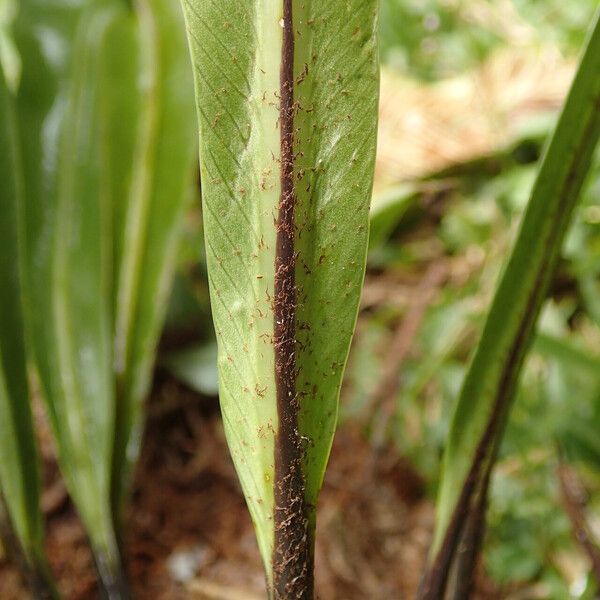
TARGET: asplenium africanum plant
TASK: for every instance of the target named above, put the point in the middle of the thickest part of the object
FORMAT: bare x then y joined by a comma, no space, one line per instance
97,163
287,104
284,93
486,396
287,97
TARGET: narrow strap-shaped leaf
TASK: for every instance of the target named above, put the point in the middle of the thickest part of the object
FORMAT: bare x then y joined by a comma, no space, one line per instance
147,230
485,398
67,250
287,103
19,474
107,115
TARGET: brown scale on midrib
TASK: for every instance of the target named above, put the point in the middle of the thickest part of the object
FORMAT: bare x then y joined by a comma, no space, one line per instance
292,556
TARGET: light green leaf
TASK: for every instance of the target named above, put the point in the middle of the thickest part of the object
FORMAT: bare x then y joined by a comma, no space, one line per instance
19,474
387,211
568,353
485,399
286,235
196,367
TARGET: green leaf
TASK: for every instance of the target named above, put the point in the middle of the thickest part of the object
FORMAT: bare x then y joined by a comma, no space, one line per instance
387,211
10,61
19,474
287,103
147,232
106,112
485,399
568,353
196,367
67,251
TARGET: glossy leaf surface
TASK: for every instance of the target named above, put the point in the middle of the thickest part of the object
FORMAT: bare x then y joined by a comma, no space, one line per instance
106,115
67,250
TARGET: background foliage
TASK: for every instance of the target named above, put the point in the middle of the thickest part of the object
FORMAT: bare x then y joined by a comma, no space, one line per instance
462,219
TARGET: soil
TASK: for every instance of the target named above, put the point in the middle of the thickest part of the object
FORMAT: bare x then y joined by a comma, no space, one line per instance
189,535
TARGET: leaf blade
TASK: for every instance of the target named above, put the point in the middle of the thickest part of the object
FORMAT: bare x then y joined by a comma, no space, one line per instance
484,401
241,55
19,473
150,227
66,250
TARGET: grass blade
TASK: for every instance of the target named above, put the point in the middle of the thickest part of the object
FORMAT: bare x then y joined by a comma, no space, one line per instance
485,398
287,104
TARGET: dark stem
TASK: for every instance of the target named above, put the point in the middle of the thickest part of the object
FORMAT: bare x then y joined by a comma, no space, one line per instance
434,582
35,570
471,543
292,552
113,582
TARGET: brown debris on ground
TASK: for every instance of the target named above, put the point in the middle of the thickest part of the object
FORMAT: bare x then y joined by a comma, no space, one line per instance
190,536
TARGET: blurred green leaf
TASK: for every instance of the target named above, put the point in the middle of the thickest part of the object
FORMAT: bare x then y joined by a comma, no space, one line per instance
387,210
106,116
484,403
569,354
149,230
67,252
10,62
196,367
19,474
